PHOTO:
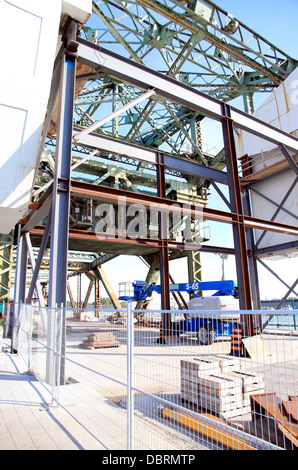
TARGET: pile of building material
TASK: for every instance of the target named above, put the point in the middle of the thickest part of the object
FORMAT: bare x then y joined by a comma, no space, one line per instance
218,384
100,340
268,409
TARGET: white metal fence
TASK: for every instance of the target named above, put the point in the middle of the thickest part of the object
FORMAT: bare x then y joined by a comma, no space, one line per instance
133,385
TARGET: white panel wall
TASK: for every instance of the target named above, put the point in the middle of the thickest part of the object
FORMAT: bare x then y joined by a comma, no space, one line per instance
275,188
28,40
79,10
28,36
281,110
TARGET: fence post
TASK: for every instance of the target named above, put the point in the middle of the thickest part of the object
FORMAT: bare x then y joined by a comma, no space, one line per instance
54,366
30,333
130,394
58,352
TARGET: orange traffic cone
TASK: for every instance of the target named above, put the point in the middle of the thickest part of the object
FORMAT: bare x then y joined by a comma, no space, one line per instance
236,343
160,339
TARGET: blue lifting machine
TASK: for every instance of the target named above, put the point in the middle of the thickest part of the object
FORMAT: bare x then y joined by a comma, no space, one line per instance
207,326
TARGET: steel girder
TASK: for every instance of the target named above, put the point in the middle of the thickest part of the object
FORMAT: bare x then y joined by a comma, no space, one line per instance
179,94
144,78
195,42
223,50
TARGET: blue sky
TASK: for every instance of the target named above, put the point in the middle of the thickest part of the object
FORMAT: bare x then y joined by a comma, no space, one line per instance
276,21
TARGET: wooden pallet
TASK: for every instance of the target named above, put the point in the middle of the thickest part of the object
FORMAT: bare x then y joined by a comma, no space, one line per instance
98,345
100,340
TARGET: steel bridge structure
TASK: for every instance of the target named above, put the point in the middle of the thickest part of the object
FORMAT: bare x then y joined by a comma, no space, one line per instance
131,90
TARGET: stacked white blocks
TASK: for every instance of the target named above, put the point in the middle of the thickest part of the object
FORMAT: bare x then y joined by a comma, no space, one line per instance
218,385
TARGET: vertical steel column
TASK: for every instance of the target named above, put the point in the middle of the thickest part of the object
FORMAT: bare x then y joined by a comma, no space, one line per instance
39,258
79,291
61,203
33,265
61,187
130,381
241,257
163,251
20,284
97,293
252,262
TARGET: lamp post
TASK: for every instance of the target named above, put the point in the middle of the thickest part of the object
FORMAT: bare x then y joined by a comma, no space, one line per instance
223,258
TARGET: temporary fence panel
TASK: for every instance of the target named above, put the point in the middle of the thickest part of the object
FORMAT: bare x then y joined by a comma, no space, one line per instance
134,385
207,366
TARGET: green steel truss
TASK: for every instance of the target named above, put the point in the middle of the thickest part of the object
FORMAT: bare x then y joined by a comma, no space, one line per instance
195,42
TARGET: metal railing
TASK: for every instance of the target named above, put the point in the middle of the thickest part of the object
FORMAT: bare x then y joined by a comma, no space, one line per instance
135,385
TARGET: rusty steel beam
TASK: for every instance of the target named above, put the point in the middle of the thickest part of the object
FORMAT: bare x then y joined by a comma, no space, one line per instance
112,195
163,251
99,272
241,255
148,242
114,65
163,237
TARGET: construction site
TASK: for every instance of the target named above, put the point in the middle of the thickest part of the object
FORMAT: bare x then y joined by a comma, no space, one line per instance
148,229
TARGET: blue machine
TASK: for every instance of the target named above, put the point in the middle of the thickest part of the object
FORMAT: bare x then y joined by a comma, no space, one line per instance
141,291
207,329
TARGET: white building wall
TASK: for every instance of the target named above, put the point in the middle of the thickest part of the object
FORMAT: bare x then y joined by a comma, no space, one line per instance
28,37
281,110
